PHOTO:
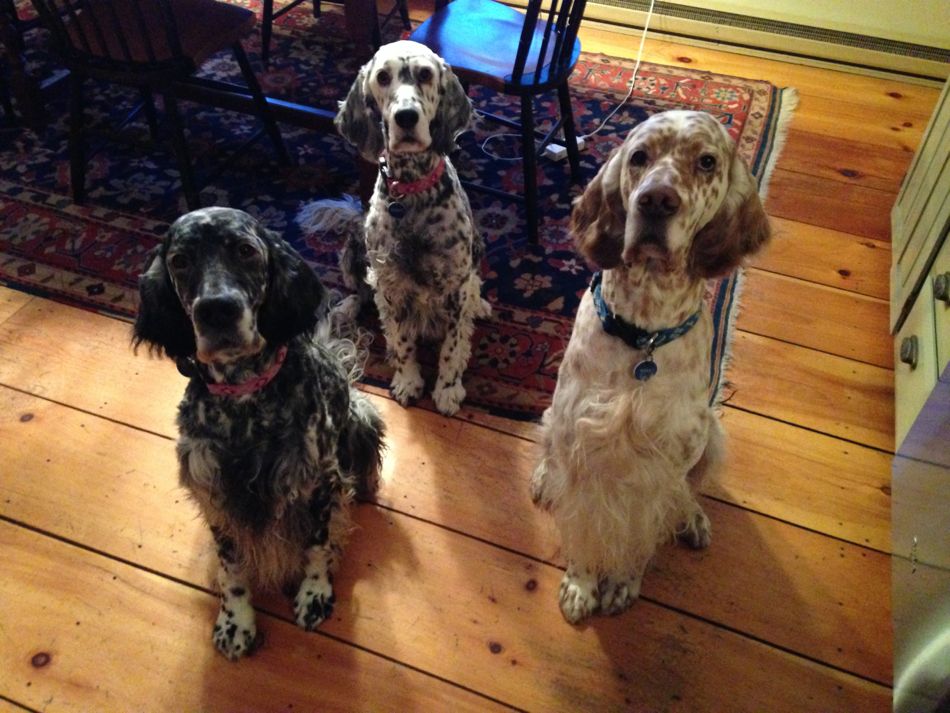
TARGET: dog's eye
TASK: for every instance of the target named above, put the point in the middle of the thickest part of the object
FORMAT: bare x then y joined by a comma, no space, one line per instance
639,158
178,261
707,163
246,251
424,76
383,78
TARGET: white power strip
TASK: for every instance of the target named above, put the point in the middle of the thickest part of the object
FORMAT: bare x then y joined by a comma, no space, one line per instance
556,152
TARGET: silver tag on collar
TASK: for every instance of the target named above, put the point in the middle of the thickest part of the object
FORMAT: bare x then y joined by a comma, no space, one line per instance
646,369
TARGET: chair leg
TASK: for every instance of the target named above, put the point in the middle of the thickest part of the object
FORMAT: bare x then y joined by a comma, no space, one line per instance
316,8
529,159
180,147
404,13
570,134
151,116
260,102
267,23
77,149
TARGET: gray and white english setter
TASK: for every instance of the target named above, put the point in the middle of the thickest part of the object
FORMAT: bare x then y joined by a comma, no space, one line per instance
274,441
631,434
418,253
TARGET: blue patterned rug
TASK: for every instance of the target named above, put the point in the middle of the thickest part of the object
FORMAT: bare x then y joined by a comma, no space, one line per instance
91,256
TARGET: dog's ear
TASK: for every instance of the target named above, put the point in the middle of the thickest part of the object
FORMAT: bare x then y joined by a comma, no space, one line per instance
739,228
358,119
454,114
295,297
598,219
161,322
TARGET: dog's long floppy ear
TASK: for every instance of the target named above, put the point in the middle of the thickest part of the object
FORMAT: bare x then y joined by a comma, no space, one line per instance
739,228
598,219
295,296
161,322
454,114
358,119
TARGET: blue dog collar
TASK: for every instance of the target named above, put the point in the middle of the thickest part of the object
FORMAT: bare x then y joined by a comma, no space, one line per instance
634,336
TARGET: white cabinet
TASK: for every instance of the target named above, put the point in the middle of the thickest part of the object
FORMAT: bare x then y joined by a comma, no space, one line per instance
920,506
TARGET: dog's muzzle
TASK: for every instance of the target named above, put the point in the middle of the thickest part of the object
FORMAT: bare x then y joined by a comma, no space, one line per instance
655,208
222,329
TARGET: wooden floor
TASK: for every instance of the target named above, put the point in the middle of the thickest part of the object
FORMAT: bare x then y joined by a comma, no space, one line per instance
447,595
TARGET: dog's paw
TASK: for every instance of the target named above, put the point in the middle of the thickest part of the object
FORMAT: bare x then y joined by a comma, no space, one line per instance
578,597
314,602
407,385
235,630
618,594
448,399
696,532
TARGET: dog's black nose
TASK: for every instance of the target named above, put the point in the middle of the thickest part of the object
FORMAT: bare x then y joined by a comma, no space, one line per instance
219,312
659,202
406,118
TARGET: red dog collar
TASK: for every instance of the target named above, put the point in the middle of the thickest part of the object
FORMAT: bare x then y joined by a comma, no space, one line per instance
253,384
398,189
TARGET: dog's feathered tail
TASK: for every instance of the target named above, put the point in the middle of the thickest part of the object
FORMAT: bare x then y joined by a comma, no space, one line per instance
343,216
361,445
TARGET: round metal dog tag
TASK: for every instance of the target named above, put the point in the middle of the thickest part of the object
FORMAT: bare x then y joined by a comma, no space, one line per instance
397,210
645,370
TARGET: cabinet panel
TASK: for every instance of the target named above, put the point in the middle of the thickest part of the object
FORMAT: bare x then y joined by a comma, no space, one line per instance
913,382
940,278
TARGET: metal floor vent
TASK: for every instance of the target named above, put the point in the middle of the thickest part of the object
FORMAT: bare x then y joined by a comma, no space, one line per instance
877,44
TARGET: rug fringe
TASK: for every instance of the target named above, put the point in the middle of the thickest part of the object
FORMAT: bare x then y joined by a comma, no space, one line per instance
788,103
733,310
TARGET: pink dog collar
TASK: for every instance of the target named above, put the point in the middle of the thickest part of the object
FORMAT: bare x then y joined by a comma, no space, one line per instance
401,188
253,384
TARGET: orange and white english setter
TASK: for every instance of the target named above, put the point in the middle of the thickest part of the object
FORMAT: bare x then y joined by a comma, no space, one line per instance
631,434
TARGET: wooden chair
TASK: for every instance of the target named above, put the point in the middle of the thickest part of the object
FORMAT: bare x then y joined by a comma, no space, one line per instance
268,15
156,46
518,54
15,82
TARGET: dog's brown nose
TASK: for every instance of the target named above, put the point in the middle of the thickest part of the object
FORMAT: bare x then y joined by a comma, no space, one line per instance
658,202
406,118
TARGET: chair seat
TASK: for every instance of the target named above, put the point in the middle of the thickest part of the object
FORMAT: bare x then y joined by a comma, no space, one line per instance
204,26
480,38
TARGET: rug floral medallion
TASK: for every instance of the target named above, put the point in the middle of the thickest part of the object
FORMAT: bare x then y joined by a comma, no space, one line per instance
90,256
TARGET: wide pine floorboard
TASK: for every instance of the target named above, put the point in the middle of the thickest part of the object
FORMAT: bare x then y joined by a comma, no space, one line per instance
447,593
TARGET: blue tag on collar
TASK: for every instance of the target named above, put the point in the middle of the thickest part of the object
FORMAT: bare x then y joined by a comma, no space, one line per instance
645,370
397,210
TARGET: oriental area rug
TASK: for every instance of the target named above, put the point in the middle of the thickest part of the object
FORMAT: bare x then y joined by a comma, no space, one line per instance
90,256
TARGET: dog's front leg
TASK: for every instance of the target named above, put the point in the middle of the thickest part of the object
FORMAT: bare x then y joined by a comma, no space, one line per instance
407,382
315,598
235,630
449,393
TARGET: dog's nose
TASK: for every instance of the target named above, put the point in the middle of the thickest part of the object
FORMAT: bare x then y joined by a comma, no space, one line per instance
659,202
219,312
406,118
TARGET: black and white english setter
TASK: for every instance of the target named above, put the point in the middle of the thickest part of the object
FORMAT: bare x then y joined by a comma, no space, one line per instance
273,439
418,253
631,434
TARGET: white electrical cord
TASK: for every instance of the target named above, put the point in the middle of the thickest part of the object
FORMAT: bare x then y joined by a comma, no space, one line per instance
633,79
584,137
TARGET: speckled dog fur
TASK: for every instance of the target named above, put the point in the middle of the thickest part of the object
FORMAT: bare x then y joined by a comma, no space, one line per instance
622,459
422,268
273,472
